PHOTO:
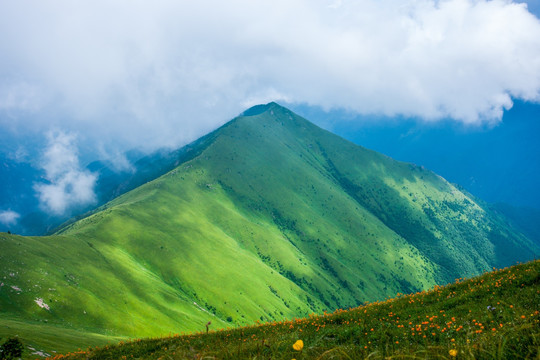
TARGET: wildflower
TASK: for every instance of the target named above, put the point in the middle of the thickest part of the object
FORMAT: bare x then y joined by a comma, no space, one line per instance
453,352
298,345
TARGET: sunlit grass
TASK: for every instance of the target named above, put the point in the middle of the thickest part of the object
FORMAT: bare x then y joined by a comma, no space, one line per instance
493,316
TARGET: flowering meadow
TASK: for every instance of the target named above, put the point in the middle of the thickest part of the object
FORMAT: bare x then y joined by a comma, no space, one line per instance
493,316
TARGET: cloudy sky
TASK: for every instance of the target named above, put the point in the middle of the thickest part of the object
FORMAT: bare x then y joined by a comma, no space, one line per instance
131,73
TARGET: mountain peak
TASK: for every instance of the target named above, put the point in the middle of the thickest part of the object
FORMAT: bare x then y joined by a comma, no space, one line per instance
259,109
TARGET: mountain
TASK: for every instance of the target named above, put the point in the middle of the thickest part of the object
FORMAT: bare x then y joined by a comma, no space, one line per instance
496,162
269,217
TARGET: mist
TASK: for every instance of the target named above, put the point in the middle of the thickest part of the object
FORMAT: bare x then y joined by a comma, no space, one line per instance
67,184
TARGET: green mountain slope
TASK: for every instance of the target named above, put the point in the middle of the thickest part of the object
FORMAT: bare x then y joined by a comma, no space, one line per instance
492,316
274,218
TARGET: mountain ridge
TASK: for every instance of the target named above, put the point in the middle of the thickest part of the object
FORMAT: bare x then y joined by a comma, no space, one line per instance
274,218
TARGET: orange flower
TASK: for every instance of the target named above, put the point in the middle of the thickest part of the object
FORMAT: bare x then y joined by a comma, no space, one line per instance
453,352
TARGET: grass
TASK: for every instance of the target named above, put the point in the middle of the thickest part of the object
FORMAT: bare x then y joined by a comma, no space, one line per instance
493,316
51,339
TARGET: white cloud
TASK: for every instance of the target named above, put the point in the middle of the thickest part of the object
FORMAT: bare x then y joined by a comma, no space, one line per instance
163,72
67,184
19,95
9,217
19,155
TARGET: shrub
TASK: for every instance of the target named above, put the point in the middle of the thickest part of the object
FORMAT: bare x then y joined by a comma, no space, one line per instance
12,348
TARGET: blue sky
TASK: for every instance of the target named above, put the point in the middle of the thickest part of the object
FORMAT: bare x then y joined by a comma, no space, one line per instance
534,6
96,78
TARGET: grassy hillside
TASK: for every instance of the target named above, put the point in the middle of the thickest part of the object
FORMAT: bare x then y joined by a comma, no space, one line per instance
494,316
271,218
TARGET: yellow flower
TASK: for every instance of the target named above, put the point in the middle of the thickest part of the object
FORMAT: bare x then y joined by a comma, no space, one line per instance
453,352
298,345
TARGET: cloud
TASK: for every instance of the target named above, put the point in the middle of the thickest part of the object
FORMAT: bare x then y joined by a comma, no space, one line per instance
67,184
8,217
19,155
134,73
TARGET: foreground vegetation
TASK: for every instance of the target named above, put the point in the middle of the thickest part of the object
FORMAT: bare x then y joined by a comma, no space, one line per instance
493,316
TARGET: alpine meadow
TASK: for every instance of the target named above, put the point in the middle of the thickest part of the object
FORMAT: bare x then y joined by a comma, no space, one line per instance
266,219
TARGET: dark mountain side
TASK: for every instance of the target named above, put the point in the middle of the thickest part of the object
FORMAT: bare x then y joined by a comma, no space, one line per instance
523,219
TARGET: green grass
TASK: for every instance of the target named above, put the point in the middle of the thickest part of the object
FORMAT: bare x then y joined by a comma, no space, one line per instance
36,337
493,316
271,218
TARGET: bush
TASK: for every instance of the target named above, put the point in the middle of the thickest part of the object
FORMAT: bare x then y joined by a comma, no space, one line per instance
12,348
